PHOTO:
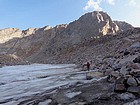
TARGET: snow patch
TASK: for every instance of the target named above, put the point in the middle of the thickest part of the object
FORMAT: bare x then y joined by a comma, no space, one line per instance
47,102
73,94
29,80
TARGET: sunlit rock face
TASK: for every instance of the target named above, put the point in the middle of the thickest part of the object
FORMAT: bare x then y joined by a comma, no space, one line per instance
29,31
9,33
100,22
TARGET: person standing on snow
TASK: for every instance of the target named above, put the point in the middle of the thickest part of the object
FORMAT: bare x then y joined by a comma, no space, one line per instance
88,66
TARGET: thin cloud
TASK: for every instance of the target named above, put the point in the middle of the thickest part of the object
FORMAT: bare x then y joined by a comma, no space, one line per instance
112,2
93,5
133,3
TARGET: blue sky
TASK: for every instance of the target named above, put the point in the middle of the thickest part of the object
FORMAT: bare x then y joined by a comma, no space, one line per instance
24,14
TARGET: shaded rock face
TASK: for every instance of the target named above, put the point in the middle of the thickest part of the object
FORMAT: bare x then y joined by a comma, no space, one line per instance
123,25
42,44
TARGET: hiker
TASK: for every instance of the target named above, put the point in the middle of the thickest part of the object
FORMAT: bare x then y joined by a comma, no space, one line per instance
88,66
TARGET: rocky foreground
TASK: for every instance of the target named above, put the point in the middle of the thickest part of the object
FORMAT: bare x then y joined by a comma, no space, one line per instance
114,80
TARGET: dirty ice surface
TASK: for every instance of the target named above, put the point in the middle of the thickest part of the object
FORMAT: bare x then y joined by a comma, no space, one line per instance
26,80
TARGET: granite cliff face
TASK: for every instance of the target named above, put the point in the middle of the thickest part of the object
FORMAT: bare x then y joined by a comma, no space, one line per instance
47,44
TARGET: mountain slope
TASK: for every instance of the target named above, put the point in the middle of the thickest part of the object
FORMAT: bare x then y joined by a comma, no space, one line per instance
48,45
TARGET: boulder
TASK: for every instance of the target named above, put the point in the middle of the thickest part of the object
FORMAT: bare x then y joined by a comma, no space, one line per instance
117,67
138,81
119,88
135,73
112,76
126,52
135,102
134,89
132,82
137,60
108,72
128,67
115,74
135,45
94,74
111,79
120,80
120,84
126,96
133,66
127,60
128,76
124,70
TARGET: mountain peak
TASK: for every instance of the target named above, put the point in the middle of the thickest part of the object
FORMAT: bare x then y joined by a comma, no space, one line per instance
95,23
